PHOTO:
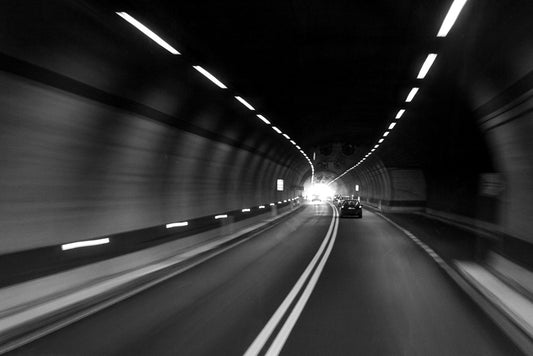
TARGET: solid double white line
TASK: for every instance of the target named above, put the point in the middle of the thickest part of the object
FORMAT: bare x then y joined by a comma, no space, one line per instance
280,339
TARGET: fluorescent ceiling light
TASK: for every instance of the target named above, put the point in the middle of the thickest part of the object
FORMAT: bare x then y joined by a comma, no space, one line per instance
376,146
286,136
400,113
372,150
86,243
264,119
245,103
210,76
223,216
411,95
272,204
298,147
391,126
177,224
427,64
450,18
261,206
386,134
279,202
381,140
276,129
245,210
294,143
147,32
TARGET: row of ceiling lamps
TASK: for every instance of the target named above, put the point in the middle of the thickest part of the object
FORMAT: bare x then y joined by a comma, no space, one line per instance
446,26
157,39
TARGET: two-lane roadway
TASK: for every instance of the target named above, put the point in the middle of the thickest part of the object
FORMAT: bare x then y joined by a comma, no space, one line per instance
368,291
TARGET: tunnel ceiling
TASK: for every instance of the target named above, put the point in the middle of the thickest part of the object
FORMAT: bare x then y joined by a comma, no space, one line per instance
321,71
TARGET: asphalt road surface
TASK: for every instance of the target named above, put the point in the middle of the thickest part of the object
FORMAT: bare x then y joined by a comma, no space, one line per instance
312,285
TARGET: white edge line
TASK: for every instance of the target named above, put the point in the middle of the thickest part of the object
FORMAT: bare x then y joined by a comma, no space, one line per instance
259,342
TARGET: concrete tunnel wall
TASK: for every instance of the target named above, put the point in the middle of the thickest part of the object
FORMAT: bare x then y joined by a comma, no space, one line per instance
472,139
104,132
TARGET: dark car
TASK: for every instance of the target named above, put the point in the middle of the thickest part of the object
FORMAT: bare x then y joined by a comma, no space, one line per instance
351,207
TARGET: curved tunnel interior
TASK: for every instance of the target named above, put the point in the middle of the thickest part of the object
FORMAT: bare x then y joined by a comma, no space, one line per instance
120,118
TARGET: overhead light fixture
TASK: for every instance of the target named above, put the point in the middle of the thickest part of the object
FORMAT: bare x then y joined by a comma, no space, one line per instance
400,113
261,206
386,134
286,136
86,243
294,143
276,129
391,126
376,146
245,103
264,119
245,210
147,32
450,18
381,140
411,95
298,147
372,150
177,224
272,204
210,76
427,64
223,216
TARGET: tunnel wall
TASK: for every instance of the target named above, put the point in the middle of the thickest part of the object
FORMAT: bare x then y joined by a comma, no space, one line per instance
391,189
102,134
499,67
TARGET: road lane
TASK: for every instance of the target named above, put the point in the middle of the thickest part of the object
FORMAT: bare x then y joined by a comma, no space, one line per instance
218,307
380,294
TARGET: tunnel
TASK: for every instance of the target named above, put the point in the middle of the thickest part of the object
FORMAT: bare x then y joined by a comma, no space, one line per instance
177,177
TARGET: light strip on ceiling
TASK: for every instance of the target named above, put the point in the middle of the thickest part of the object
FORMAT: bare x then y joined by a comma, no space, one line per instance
147,32
86,243
245,103
450,18
426,66
411,95
400,113
210,76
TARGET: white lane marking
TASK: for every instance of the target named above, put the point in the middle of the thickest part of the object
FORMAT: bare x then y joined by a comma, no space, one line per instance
416,240
259,342
283,335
